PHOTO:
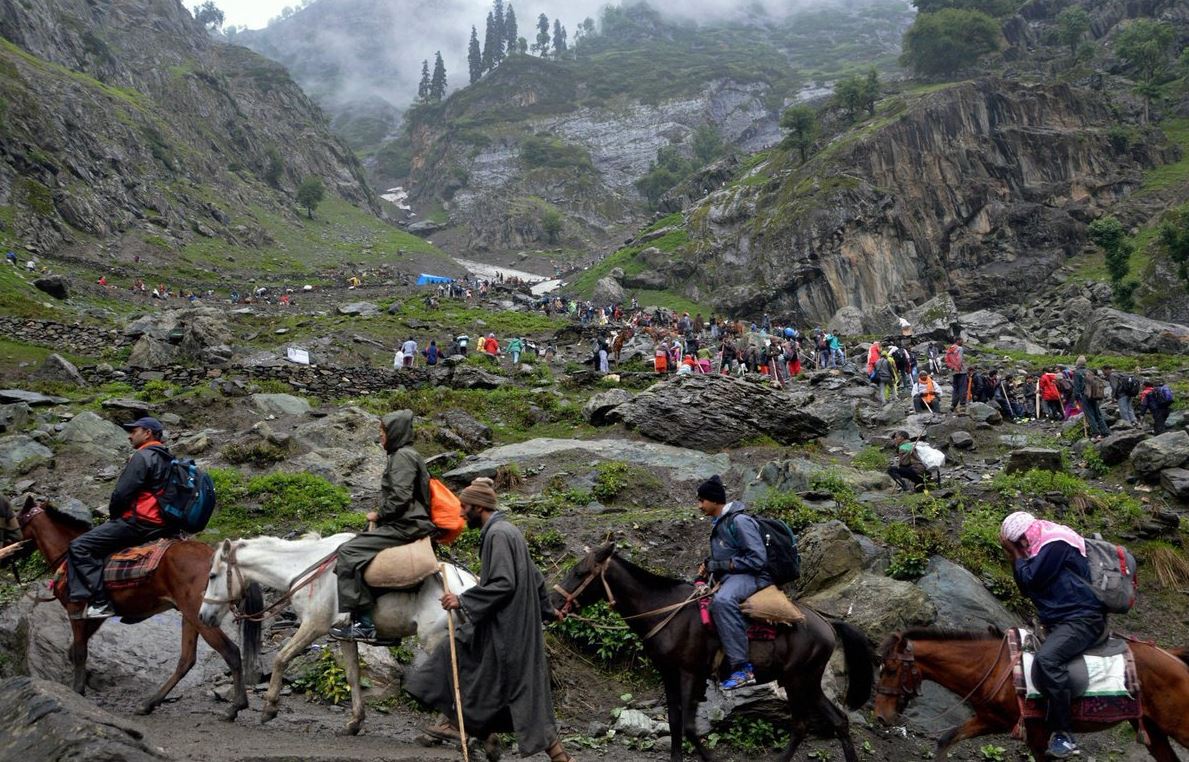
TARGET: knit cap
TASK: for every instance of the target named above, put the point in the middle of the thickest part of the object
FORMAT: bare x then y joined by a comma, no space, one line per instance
713,490
480,492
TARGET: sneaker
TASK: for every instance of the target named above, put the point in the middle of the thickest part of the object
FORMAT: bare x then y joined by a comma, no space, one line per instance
353,631
97,610
741,677
1062,746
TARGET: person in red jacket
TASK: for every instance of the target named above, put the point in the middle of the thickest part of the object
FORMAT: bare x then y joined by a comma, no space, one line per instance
1050,395
135,519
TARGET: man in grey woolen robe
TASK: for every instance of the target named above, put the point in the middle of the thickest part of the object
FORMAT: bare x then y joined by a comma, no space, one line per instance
504,675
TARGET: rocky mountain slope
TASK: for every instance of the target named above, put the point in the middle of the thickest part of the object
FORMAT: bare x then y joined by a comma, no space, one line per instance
125,125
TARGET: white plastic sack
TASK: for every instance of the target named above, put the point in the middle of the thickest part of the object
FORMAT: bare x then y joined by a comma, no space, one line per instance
930,456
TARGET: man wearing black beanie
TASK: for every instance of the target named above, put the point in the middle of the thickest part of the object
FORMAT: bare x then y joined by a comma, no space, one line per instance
738,561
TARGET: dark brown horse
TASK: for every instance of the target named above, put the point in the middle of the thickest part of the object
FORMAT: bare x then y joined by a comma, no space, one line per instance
977,666
617,343
178,582
684,650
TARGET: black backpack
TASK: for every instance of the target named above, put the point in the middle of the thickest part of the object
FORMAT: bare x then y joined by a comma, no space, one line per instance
1129,386
187,498
784,562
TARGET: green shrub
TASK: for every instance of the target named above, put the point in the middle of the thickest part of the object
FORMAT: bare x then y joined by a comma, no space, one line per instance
259,454
789,508
602,633
870,459
325,680
273,502
750,735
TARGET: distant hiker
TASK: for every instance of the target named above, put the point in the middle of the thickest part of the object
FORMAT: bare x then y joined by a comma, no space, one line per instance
410,350
1089,390
1050,395
1157,400
491,346
515,347
462,342
1124,389
873,355
135,518
660,358
926,394
431,353
738,561
602,358
402,518
885,376
909,470
934,359
955,360
837,356
11,258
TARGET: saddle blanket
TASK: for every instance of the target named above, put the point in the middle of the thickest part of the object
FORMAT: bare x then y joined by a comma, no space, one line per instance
128,568
1111,692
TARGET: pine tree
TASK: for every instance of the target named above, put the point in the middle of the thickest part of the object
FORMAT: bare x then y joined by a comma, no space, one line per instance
474,57
489,44
423,86
559,38
541,46
497,26
437,84
510,31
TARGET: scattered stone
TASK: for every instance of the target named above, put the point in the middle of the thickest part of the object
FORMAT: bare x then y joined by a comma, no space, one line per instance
1013,440
1114,449
1151,456
95,435
359,309
962,440
797,475
129,408
875,604
1112,331
44,721
58,368
471,377
981,412
54,285
14,416
596,408
474,435
151,352
1028,458
635,724
830,553
20,454
30,398
1176,482
608,291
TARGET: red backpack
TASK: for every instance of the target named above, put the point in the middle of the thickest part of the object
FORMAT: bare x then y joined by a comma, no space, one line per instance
953,358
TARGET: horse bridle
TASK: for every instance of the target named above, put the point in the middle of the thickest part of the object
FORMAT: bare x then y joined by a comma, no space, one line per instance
909,686
599,570
231,600
307,577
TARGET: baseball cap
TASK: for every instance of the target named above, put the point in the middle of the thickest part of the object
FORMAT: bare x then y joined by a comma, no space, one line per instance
152,424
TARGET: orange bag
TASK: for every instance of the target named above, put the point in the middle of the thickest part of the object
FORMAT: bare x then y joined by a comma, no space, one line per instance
445,511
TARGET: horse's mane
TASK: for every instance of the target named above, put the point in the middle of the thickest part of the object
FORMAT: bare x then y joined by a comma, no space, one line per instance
65,518
651,579
938,633
5,509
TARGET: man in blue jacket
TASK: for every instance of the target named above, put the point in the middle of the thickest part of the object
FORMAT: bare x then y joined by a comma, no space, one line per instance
738,560
1050,568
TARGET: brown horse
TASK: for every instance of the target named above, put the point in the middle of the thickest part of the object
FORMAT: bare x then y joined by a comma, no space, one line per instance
178,582
683,649
617,343
977,666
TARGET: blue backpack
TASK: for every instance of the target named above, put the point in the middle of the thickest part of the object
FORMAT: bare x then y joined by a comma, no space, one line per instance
187,499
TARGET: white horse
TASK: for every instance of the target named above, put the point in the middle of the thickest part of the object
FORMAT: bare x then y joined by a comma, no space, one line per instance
304,569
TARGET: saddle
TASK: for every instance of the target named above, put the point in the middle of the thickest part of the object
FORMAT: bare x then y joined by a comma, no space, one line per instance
126,568
402,566
768,609
1104,681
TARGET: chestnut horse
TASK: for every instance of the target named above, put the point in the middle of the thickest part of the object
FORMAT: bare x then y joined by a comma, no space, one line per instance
663,612
178,582
978,667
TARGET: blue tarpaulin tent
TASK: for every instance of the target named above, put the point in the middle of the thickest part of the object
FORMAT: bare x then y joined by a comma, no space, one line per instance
424,279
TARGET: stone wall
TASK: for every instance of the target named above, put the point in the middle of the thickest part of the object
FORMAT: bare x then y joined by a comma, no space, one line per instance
75,338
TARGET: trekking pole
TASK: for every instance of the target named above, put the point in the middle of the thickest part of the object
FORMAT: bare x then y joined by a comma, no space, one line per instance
462,733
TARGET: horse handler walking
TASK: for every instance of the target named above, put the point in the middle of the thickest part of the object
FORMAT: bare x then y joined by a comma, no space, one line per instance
503,672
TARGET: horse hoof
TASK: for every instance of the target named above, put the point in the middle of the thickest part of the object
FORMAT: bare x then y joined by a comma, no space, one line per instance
145,709
493,748
352,729
268,714
427,740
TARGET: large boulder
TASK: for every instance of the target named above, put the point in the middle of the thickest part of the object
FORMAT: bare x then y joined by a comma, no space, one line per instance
830,554
984,413
1118,446
934,320
20,454
193,331
151,352
596,408
58,368
339,447
92,433
1176,483
473,434
472,377
961,600
847,321
54,285
280,405
875,604
714,412
1111,331
1169,450
34,399
607,291
359,309
14,416
45,721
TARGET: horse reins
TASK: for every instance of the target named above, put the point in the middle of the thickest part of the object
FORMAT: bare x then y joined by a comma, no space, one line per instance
600,571
306,577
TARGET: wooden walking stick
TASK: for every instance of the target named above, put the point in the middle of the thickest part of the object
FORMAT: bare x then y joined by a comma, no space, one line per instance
462,731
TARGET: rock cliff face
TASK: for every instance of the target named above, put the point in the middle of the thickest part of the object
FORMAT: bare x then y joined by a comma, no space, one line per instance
121,116
981,189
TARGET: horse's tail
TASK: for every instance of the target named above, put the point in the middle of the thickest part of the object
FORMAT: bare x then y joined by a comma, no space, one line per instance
860,664
1182,654
249,631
